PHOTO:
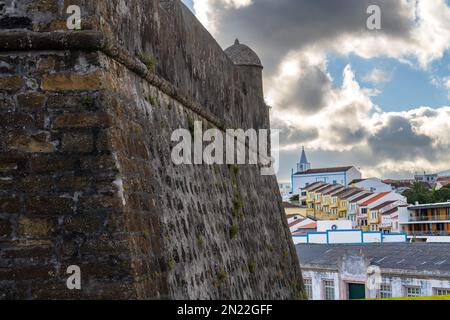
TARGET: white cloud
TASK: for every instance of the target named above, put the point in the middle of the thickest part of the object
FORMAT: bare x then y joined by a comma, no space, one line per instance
378,76
206,13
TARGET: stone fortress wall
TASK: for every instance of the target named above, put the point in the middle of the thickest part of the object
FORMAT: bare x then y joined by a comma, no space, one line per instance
86,176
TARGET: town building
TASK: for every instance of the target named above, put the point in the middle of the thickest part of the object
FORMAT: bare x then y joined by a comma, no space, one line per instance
293,209
306,176
371,184
343,272
428,222
338,234
442,182
399,186
306,190
370,220
367,210
285,190
348,208
428,178
385,217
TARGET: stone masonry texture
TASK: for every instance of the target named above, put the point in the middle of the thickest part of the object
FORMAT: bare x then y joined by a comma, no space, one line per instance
86,176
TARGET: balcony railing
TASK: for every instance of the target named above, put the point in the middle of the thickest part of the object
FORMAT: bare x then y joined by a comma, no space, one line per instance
429,218
428,233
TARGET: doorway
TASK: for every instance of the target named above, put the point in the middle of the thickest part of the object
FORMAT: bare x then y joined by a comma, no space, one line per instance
356,291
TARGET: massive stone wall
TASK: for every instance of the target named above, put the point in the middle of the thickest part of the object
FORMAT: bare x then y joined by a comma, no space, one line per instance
86,176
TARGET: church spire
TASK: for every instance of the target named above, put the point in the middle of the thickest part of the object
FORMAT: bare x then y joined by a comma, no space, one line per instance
303,159
303,165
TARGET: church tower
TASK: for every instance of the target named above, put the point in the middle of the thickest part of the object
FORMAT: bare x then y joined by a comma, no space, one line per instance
303,165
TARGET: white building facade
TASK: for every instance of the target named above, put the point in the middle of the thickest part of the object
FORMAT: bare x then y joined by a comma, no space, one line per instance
374,271
372,185
306,176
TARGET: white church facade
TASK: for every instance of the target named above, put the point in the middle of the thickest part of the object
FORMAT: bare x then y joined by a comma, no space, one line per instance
305,175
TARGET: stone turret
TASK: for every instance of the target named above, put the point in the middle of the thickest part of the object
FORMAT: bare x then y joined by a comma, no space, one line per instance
242,55
248,77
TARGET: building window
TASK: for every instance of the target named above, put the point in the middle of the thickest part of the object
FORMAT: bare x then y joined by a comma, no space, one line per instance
413,292
329,289
374,215
364,211
442,292
308,288
385,291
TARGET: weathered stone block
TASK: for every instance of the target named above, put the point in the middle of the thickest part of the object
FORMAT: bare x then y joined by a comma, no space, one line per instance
10,204
89,223
82,120
35,143
31,101
72,81
44,6
5,228
11,83
35,184
26,273
73,183
97,202
46,164
47,205
78,141
35,227
101,162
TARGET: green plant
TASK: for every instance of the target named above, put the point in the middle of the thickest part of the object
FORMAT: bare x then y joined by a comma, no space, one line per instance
191,125
238,205
152,100
252,266
170,264
87,101
234,230
200,241
149,61
234,169
221,276
420,192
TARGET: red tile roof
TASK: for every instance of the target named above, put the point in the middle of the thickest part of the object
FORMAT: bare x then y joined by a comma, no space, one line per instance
373,199
293,223
312,225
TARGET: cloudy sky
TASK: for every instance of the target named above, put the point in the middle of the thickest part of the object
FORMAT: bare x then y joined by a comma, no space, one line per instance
379,100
